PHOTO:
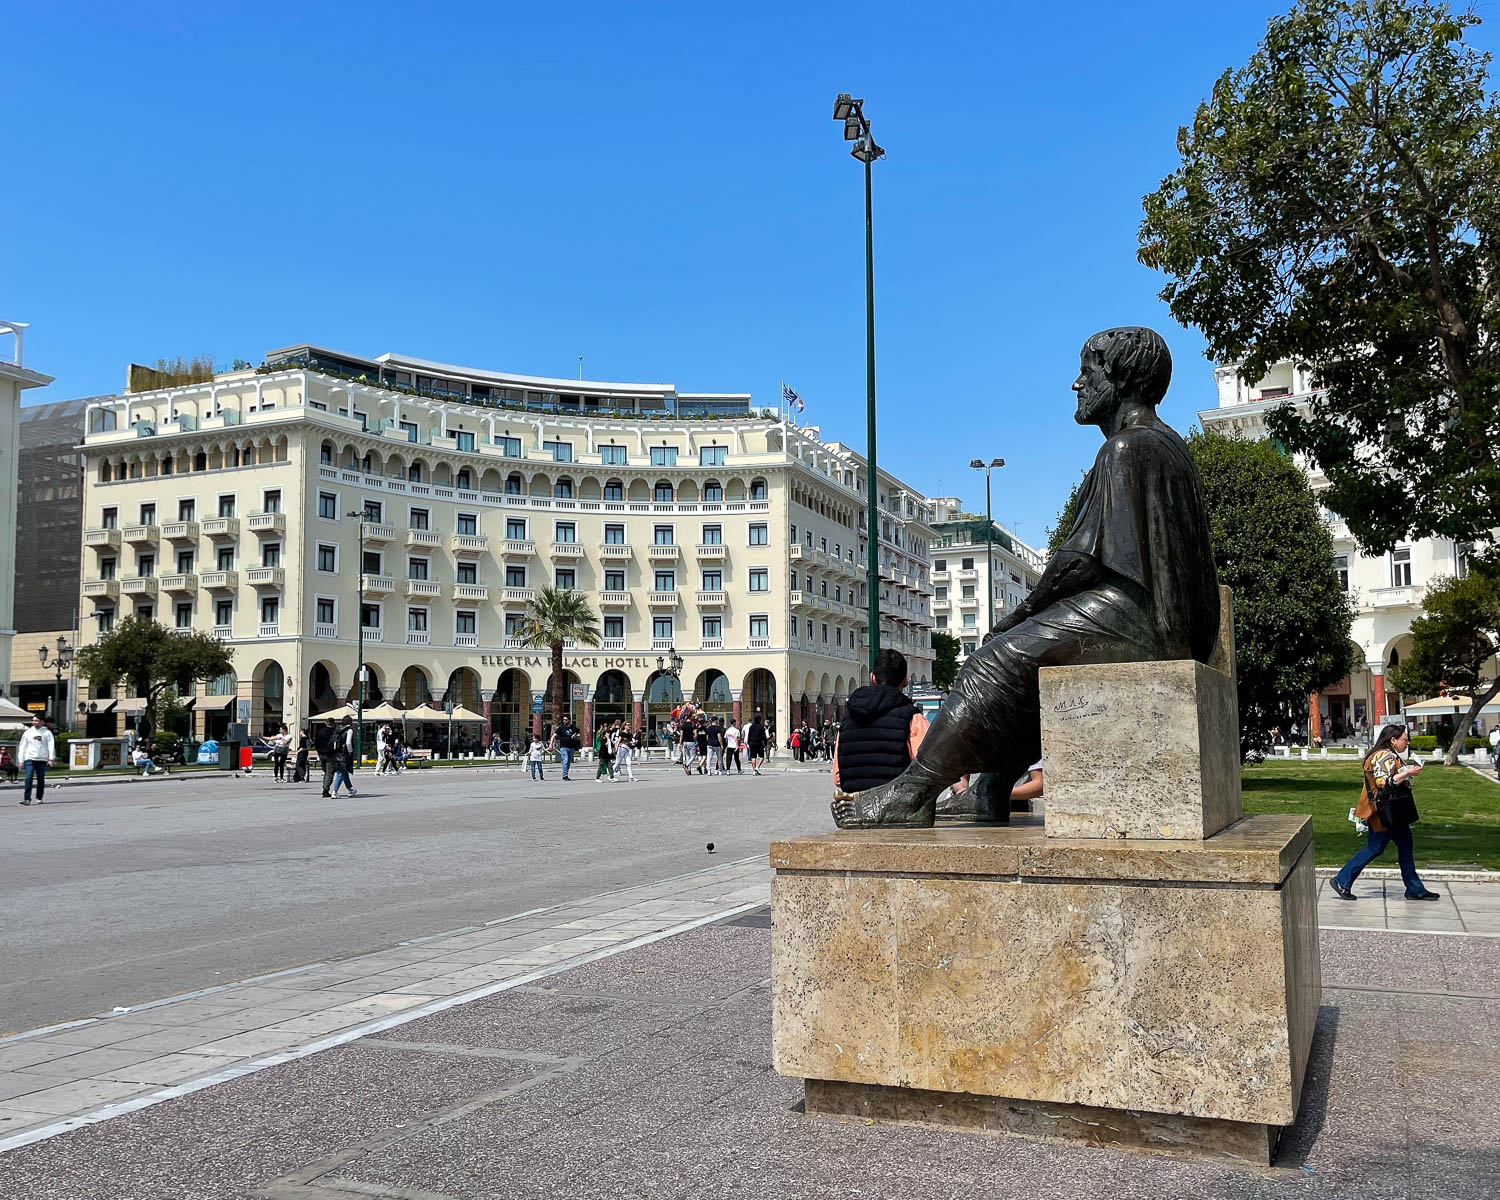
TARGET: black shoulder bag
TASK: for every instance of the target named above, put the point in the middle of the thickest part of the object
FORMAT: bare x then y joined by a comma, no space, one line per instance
1396,805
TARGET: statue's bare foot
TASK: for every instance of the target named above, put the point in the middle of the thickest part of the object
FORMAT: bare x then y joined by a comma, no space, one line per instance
892,805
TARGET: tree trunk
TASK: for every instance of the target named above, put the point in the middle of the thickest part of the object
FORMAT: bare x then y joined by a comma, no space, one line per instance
1455,748
559,682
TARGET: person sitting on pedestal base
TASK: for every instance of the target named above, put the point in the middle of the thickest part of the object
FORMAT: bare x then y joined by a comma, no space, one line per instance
1134,582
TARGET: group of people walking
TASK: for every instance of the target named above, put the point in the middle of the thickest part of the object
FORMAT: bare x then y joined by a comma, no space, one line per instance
708,745
814,742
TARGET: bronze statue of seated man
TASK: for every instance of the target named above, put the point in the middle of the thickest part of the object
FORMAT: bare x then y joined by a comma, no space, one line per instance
1134,582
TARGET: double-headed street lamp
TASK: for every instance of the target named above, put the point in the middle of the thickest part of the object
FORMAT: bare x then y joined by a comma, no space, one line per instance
857,130
989,527
62,660
361,515
671,664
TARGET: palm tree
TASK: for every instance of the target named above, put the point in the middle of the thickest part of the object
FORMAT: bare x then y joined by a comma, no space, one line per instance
555,616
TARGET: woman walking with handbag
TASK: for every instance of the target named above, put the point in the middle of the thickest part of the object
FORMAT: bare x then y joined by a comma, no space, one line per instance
1387,804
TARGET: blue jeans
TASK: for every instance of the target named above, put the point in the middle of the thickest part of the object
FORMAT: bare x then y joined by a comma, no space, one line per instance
536,768
341,774
565,757
1374,847
36,767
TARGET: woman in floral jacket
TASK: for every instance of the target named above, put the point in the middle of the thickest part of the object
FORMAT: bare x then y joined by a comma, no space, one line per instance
1384,766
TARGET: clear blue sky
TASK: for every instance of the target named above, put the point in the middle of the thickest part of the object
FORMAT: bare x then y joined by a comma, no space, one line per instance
659,188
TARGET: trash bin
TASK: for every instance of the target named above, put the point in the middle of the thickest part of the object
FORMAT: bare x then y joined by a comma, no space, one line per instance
208,753
229,755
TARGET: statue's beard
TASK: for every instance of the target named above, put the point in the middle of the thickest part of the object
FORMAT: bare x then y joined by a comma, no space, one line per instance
1094,408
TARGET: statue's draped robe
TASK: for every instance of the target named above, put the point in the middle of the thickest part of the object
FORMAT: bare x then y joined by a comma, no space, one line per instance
1140,517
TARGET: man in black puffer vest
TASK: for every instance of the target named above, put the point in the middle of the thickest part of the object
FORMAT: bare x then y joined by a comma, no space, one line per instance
882,730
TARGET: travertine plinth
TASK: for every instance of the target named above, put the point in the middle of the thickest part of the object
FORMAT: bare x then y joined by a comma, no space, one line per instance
1140,750
1167,977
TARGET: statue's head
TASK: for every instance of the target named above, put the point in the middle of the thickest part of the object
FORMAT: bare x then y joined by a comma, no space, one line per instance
1120,366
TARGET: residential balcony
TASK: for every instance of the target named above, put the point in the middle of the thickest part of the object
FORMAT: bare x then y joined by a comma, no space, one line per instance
802,600
466,639
267,522
940,606
418,637
615,551
468,543
759,643
102,539
794,553
968,601
663,643
142,535
663,553
422,587
323,629
372,633
223,632
513,642
421,539
612,643
1409,596
567,550
614,599
519,595
471,591
272,577
221,527
662,599
101,589
965,574
709,643
220,581
712,550
940,576
381,533
180,531
712,599
179,583
376,585
517,548
268,631
138,585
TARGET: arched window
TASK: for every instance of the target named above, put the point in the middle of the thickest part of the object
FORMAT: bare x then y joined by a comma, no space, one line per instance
662,493
513,485
563,489
758,489
200,461
713,492
366,464
614,490
465,481
325,454
414,472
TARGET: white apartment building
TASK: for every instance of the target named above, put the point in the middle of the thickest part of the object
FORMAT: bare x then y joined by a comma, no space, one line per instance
965,588
694,523
1386,588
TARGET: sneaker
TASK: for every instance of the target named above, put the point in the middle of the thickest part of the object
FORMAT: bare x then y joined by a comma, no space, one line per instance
352,792
1425,896
24,803
1341,891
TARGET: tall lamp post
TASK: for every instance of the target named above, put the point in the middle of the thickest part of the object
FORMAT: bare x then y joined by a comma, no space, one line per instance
857,130
362,515
989,527
61,661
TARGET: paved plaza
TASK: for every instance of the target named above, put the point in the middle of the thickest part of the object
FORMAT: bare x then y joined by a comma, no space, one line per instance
609,1041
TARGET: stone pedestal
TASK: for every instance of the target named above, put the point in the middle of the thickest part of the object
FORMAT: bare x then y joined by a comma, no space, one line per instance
1151,992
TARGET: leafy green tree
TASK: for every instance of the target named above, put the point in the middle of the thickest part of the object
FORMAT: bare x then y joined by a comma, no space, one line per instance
153,659
1291,617
1453,646
1338,205
555,616
945,664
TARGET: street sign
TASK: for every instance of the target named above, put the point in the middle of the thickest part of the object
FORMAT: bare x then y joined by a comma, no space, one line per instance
242,710
536,704
580,691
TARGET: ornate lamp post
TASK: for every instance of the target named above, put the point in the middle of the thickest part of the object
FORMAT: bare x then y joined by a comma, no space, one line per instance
61,661
361,515
989,527
851,113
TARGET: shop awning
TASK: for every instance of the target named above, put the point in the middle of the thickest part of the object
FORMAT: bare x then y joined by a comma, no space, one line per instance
425,712
131,706
1453,705
211,703
12,712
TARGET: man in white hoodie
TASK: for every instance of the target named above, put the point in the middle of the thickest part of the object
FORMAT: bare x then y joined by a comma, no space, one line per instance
36,753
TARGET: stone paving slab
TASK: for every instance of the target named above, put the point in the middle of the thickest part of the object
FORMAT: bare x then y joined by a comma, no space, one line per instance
647,1074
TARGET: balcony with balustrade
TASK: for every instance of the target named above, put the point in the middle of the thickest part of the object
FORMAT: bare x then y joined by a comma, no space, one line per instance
614,599
101,539
325,629
712,599
567,551
712,551
517,548
220,581
179,583
180,531
418,637
142,535
417,589
267,523
711,643
615,551
519,595
377,585
377,534
422,539
269,630
611,643
663,599
471,592
101,589
221,528
266,577
138,585
468,544
668,552
465,640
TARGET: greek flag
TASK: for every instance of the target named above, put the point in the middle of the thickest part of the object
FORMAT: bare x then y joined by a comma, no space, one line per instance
791,399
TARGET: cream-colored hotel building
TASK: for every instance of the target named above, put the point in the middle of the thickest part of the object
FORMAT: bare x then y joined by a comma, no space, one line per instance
693,522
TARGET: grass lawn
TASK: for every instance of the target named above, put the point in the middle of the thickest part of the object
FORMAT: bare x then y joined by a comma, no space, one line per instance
1460,825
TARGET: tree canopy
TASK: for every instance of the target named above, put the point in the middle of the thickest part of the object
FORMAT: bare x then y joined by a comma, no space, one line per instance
1453,645
945,661
152,658
555,616
1291,616
1338,205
